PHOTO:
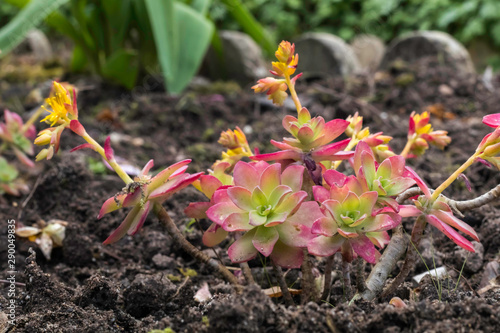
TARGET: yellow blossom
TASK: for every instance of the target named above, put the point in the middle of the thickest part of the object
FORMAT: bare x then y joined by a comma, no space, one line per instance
60,104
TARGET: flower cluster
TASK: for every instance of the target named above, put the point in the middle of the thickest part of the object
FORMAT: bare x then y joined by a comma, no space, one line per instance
284,67
236,144
62,110
489,148
420,134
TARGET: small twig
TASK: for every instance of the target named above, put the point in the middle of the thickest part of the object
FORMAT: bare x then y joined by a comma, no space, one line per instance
328,278
20,284
25,202
360,275
247,272
282,283
177,236
181,286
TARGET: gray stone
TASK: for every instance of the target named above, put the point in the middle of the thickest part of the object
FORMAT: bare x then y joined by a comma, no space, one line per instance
241,60
369,50
323,54
421,44
491,271
39,45
474,260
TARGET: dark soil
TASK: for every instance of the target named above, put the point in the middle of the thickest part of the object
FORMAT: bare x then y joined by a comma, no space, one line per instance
140,283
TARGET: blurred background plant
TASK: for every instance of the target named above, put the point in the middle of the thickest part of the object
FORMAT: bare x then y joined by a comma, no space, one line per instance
121,40
470,21
124,40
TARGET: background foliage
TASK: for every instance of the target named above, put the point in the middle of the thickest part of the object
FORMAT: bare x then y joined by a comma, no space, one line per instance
465,20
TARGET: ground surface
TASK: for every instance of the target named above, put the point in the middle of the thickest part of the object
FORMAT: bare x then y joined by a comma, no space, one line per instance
136,285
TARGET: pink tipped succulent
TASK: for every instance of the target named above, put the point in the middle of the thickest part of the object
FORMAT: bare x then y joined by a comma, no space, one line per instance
267,205
14,135
439,214
311,140
388,179
144,193
351,223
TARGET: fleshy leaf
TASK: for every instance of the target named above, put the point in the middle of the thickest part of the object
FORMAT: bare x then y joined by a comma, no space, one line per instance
450,232
237,222
245,175
241,197
292,176
286,256
214,235
365,249
133,216
108,151
264,240
243,249
138,223
325,246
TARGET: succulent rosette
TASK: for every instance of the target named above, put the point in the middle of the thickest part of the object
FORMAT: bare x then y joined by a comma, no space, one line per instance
13,133
267,206
388,179
351,222
143,193
311,138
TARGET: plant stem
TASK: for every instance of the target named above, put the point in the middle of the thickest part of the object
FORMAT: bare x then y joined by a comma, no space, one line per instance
360,275
454,176
282,283
328,278
32,120
378,276
346,276
411,255
293,93
177,236
407,148
116,167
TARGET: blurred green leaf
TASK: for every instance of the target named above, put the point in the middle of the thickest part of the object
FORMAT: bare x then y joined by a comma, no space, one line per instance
251,26
122,67
28,18
182,38
7,172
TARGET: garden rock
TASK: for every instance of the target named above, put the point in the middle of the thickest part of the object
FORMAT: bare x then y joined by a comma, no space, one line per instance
241,59
421,44
39,45
369,50
323,54
474,260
